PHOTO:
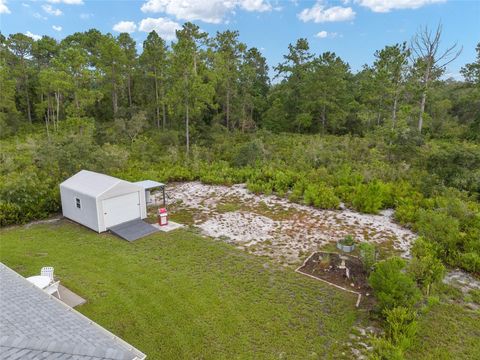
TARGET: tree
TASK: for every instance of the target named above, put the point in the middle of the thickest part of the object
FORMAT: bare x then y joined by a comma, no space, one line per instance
471,71
253,87
368,255
390,69
425,267
228,51
430,61
111,60
132,127
326,91
127,45
154,60
294,71
192,88
392,286
20,46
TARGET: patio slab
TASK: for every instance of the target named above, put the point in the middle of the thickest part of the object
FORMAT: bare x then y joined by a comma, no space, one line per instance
170,227
69,297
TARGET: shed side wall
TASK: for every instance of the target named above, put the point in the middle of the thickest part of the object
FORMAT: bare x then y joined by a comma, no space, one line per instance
87,215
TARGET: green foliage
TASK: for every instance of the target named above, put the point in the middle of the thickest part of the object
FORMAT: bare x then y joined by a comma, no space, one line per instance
441,229
400,326
368,255
348,240
392,286
321,195
372,197
470,261
249,153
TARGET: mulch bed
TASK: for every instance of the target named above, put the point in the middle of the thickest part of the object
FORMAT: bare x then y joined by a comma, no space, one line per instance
332,267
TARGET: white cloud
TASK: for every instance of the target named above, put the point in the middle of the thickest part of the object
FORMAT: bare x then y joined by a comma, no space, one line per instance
25,5
255,5
39,16
68,2
51,10
211,11
164,27
56,28
324,34
85,16
125,26
383,6
319,13
33,36
4,8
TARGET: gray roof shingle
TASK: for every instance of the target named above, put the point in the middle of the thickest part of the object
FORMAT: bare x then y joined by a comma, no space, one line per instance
35,325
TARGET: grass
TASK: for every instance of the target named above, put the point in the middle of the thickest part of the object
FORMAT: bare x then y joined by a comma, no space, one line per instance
447,331
183,296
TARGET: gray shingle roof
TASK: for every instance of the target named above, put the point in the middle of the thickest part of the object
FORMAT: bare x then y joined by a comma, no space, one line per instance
35,325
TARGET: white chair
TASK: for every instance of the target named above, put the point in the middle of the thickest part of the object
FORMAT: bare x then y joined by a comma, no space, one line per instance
52,289
47,271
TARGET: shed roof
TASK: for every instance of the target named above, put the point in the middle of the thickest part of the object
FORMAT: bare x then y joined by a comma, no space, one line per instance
91,183
149,184
34,324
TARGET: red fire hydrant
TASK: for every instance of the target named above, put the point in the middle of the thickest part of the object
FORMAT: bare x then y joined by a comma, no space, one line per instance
162,217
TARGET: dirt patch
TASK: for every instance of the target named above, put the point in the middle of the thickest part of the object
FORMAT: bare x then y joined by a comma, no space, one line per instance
342,270
275,227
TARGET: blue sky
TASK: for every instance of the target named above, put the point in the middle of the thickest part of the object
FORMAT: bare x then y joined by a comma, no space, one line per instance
353,29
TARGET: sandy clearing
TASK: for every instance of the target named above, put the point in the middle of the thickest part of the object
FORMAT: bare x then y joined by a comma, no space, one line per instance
276,227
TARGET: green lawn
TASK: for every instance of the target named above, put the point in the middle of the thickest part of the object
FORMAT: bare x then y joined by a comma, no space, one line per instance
448,331
182,296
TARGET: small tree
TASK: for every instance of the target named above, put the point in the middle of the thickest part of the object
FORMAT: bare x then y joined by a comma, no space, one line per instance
368,255
392,286
425,267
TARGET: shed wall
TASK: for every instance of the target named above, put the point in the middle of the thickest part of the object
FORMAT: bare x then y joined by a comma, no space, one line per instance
87,215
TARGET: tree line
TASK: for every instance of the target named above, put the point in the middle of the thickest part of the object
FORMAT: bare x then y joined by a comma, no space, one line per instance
199,82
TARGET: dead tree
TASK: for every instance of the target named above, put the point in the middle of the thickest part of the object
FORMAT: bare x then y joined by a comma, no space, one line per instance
425,47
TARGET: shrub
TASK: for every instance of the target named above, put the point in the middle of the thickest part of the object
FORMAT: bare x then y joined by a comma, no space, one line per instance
441,229
10,214
370,198
347,240
368,255
392,286
470,261
249,153
321,196
400,326
297,190
383,349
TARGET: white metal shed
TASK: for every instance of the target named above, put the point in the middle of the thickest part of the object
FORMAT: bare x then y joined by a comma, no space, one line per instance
100,201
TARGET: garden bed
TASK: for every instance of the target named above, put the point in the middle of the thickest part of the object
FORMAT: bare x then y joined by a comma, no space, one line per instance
339,269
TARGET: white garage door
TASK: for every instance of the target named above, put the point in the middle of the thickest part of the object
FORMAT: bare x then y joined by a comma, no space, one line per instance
120,209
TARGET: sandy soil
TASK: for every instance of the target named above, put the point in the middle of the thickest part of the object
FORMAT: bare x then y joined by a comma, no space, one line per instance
277,228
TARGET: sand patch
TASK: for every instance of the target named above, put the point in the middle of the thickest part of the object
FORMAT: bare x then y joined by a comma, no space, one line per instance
276,227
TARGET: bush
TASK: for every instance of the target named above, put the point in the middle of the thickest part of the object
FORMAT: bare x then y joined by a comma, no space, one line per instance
370,198
321,196
442,229
347,240
470,261
368,255
392,286
249,153
400,326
